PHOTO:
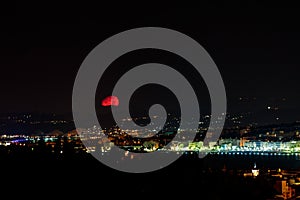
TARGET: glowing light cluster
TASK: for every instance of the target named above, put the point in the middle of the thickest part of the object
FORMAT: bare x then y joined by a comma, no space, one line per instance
110,101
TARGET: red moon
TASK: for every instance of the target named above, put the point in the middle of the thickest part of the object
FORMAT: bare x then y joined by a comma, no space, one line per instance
110,101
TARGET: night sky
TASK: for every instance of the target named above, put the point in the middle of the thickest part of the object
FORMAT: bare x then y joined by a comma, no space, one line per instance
256,51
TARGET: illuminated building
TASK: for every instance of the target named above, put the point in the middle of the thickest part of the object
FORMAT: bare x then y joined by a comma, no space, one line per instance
284,189
255,172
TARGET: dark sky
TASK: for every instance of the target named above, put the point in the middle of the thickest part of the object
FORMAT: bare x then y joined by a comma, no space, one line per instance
256,51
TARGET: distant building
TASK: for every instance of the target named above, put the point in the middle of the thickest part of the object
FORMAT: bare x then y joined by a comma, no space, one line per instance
285,189
255,171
